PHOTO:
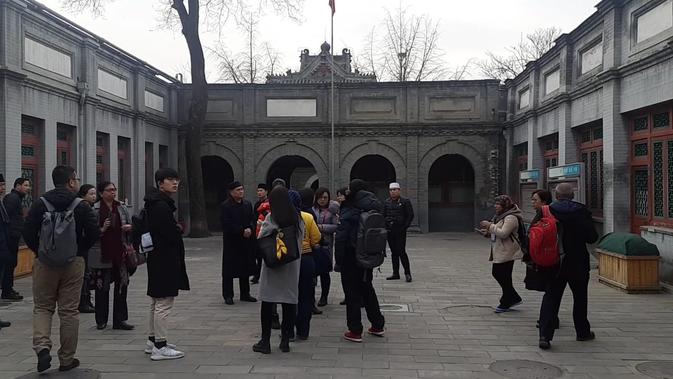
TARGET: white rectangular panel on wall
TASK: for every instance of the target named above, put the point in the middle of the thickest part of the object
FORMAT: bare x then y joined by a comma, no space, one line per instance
655,21
291,107
112,84
592,57
154,101
48,58
552,81
524,98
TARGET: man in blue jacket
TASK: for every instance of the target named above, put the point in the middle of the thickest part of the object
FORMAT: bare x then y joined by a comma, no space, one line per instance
577,230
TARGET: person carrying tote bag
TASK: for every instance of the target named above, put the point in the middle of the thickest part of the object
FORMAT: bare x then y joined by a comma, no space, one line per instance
280,284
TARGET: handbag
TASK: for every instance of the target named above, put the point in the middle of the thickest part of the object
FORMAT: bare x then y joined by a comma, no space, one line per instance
323,259
280,248
133,258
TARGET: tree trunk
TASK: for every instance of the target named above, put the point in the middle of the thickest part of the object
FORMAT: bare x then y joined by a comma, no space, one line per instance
197,114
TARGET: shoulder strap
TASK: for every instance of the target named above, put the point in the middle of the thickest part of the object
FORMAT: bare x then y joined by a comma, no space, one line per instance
546,212
74,204
50,208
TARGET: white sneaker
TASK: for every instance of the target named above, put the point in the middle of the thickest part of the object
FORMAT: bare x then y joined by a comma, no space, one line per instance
149,346
166,353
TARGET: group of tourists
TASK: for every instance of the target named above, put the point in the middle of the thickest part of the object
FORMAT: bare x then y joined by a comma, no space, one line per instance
85,239
554,249
321,233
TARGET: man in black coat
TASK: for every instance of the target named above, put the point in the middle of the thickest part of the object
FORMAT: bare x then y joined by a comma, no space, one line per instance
4,239
577,230
166,269
59,285
14,206
398,213
238,233
357,281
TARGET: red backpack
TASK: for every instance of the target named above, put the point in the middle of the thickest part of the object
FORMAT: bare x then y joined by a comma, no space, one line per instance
543,240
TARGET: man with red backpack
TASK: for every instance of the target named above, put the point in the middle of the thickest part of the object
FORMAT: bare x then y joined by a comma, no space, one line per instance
576,231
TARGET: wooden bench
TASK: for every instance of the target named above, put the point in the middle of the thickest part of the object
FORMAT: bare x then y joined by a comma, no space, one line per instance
24,266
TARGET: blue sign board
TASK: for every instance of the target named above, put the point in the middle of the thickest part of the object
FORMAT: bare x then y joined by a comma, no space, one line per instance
529,175
571,170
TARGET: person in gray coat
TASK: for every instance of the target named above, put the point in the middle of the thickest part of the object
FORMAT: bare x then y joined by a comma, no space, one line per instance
280,284
326,212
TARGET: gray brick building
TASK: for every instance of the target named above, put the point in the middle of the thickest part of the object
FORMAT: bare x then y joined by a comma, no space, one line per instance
602,96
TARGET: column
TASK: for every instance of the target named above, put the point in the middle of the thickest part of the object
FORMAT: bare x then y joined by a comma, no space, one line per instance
411,189
11,97
567,144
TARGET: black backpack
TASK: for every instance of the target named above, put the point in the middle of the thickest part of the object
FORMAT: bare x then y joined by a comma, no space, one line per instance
370,248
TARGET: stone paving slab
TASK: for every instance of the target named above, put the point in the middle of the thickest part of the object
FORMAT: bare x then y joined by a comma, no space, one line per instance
450,330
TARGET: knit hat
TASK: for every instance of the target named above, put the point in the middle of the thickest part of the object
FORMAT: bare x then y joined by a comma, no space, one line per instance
2,178
262,186
233,185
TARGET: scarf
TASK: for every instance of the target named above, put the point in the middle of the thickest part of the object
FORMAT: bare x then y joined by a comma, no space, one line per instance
112,249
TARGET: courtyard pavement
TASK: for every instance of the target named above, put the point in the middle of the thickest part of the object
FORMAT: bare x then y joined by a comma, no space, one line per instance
446,328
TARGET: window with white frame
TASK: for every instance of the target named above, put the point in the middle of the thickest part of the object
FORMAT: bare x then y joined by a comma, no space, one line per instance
154,101
552,81
524,98
654,21
592,57
48,58
112,84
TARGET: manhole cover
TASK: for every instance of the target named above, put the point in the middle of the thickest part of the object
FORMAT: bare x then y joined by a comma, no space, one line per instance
55,374
394,307
658,370
467,310
524,369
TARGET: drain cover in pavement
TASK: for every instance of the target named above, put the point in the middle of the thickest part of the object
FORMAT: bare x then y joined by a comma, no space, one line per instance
55,374
394,307
523,369
467,310
658,370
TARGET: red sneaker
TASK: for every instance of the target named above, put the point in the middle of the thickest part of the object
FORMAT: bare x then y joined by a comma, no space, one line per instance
353,337
376,332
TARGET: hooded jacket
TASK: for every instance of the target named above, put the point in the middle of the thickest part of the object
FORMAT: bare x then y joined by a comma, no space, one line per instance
166,269
347,231
577,230
505,227
86,223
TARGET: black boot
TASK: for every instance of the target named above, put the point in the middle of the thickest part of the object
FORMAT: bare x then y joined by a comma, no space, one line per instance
284,344
263,346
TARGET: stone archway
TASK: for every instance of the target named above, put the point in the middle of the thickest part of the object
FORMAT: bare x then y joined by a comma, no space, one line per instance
373,148
297,172
217,173
290,149
479,162
451,195
377,171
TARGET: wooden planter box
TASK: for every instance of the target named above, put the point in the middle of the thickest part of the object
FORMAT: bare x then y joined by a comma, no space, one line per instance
632,274
24,267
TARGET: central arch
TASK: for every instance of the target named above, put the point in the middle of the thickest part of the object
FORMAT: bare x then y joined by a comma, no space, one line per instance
297,172
291,148
377,171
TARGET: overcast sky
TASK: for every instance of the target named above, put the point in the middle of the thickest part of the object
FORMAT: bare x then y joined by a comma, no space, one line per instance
469,28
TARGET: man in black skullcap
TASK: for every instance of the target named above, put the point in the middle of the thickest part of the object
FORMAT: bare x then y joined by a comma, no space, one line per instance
238,234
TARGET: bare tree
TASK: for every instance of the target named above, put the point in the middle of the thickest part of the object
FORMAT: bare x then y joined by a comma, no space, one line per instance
212,14
251,66
530,48
406,49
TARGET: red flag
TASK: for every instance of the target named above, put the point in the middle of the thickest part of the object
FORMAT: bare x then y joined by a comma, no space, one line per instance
331,5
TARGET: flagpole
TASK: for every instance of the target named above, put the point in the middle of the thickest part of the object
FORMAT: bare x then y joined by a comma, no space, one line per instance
332,150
